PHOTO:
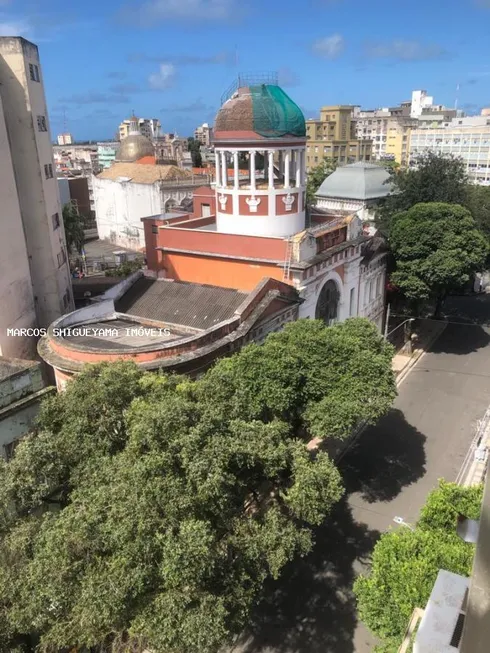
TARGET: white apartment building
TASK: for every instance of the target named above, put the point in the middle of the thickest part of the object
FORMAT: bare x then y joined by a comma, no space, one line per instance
470,143
420,101
373,125
203,134
35,282
149,127
65,139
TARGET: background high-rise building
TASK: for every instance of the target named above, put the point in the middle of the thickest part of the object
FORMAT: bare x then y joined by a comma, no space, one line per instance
35,283
149,127
203,134
465,138
65,139
334,137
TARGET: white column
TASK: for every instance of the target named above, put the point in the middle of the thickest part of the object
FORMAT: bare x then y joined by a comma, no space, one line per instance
252,170
224,171
287,159
236,170
299,161
216,157
302,167
271,169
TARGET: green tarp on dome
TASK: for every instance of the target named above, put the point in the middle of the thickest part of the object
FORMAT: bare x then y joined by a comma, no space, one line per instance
275,114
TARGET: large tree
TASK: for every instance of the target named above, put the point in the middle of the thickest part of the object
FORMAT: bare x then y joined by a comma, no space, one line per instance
478,203
74,228
317,176
437,247
405,563
148,510
435,178
195,150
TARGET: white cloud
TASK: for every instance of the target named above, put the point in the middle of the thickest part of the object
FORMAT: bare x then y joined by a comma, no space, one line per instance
163,78
154,11
405,50
15,27
329,47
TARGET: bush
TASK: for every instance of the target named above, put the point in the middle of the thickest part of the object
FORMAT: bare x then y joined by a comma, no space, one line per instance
405,563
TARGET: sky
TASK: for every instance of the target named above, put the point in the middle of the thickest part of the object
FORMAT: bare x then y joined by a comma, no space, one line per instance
173,59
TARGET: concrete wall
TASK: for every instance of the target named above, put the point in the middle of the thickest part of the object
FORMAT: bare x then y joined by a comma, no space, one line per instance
25,378
16,295
31,149
119,207
242,275
64,188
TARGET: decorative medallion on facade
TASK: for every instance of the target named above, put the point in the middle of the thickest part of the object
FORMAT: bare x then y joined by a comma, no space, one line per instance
288,201
253,203
223,199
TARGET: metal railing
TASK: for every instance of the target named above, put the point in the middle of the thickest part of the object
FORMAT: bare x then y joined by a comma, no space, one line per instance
250,79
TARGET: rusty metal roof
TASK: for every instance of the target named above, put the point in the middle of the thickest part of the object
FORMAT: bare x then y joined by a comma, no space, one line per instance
177,302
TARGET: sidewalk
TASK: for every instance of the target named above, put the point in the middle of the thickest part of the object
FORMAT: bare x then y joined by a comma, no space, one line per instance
402,363
474,467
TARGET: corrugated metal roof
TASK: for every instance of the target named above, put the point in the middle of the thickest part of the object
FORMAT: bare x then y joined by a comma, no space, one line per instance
177,302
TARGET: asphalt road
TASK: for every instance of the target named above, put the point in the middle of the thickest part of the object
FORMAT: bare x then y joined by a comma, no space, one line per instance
387,473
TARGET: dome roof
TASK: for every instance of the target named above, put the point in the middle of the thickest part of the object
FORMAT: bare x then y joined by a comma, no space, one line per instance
259,112
134,147
357,181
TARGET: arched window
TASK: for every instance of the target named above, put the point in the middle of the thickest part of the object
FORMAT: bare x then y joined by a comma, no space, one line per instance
328,303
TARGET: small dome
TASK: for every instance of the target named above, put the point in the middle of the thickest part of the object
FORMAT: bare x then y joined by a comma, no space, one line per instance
259,112
133,148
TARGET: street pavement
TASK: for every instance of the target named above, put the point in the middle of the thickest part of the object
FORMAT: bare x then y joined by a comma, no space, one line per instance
387,473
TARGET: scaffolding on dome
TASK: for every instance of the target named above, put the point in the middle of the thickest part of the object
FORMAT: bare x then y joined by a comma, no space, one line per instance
260,107
250,79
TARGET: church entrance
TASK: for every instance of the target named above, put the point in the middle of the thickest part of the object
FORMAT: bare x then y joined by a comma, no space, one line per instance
328,303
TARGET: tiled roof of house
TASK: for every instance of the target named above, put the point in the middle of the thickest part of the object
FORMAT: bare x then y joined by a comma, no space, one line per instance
176,302
142,173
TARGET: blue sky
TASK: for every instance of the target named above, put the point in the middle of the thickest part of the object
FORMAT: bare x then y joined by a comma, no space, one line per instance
172,59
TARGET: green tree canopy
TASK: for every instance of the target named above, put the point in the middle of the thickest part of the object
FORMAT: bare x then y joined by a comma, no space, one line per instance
74,225
436,178
437,248
195,150
317,176
149,510
478,203
405,563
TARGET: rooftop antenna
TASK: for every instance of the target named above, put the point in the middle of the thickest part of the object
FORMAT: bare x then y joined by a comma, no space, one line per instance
457,97
64,121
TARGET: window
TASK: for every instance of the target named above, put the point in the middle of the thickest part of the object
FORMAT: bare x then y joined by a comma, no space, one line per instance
378,285
48,170
371,290
61,258
154,229
56,220
34,72
205,210
352,301
41,124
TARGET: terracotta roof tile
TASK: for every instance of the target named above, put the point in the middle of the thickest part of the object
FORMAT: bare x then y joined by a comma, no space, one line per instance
142,173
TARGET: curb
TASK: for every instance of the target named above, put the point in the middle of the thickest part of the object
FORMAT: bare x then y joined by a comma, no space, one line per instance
418,355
